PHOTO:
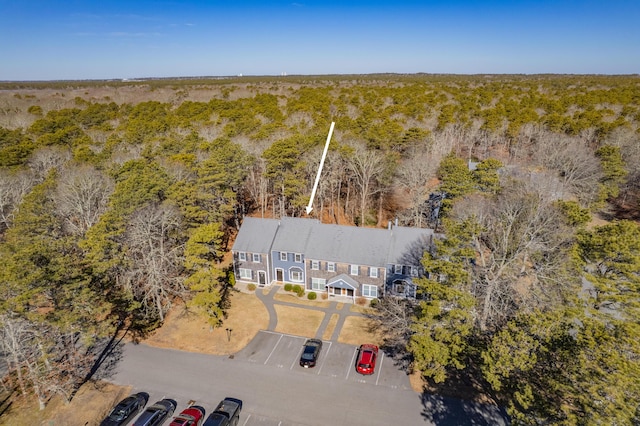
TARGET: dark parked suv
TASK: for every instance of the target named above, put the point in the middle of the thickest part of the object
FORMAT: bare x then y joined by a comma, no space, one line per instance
125,410
157,413
310,353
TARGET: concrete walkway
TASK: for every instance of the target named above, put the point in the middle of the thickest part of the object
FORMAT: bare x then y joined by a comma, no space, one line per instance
333,308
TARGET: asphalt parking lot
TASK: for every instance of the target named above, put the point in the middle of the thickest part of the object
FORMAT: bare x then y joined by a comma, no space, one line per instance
275,350
336,360
275,390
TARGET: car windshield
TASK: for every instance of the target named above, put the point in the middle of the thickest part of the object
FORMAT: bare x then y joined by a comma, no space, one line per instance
365,365
118,414
307,354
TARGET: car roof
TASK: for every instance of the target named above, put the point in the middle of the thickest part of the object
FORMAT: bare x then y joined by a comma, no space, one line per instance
366,357
127,401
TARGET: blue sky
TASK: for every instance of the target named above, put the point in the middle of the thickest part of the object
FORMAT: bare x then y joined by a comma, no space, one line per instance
79,39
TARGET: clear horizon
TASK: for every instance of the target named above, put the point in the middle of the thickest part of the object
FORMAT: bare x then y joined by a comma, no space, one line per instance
85,40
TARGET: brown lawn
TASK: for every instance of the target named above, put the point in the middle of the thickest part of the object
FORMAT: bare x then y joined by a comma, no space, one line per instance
92,403
189,331
357,330
298,321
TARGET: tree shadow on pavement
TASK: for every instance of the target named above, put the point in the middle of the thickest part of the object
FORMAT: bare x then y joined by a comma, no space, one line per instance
445,411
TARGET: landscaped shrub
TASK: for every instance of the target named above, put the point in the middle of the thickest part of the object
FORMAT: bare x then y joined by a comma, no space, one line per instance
361,301
374,303
312,295
298,290
324,296
288,287
251,287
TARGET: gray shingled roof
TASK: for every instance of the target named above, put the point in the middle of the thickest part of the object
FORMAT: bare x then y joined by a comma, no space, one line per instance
336,243
408,244
256,235
349,244
294,234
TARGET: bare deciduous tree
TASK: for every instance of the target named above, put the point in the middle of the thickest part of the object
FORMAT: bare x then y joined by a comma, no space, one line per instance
366,167
413,176
577,167
395,316
81,197
47,158
13,187
153,276
522,252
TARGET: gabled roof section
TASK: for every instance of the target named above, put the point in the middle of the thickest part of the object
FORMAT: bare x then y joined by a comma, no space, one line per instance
256,235
335,243
343,281
349,244
293,234
407,245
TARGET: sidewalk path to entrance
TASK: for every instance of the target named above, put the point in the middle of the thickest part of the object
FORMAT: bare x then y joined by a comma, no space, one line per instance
270,302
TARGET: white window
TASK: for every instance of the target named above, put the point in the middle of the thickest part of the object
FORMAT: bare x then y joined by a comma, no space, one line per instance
256,257
353,270
283,256
331,267
369,290
245,273
318,284
295,275
315,265
298,258
242,256
414,271
397,269
373,272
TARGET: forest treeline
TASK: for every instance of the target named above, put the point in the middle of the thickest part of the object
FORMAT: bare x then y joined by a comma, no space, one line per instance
111,210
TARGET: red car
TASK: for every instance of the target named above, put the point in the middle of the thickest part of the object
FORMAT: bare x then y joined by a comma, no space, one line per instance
367,355
191,416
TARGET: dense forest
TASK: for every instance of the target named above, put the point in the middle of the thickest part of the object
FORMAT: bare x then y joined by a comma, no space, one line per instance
120,198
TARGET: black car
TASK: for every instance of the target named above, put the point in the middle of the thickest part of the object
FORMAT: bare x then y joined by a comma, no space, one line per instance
125,410
157,413
310,353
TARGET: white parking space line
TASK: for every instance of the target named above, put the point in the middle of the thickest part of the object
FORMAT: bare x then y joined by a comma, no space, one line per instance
380,369
324,358
273,350
297,358
247,420
353,362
